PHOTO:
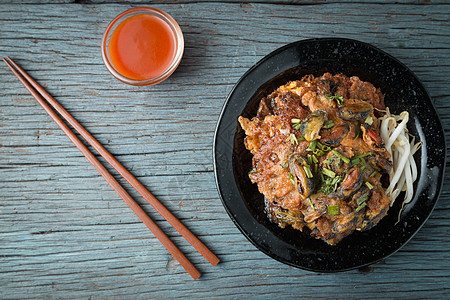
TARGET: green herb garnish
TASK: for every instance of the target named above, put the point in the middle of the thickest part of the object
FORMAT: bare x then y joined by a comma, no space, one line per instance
297,126
314,158
325,148
308,172
355,161
362,199
360,158
364,155
373,173
333,209
344,159
310,202
330,184
368,185
251,171
312,146
360,207
328,124
363,161
332,160
319,152
329,173
357,135
317,148
339,99
292,178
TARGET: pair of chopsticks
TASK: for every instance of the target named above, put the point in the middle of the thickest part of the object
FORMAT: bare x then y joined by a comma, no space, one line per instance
39,93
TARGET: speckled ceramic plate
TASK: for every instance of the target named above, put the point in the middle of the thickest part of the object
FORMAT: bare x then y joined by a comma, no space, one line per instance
232,161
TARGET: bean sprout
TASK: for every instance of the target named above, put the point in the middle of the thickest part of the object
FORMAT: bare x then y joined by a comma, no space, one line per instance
396,139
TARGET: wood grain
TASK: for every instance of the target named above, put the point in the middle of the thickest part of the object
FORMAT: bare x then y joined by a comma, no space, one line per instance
64,233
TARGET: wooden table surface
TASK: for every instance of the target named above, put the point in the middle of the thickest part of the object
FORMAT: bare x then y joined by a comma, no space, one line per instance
64,233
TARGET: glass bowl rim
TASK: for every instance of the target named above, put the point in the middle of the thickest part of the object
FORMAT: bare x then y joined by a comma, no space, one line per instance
176,30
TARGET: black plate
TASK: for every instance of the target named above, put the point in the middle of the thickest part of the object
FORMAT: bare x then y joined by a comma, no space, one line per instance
232,161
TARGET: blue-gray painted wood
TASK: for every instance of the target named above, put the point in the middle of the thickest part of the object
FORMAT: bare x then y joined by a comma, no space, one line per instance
64,233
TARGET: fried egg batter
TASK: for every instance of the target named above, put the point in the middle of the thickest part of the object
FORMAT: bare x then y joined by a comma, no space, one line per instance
318,158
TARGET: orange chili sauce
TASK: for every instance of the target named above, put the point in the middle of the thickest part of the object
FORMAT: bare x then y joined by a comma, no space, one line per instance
142,47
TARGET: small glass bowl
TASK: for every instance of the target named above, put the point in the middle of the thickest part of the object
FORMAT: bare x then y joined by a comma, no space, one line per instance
179,45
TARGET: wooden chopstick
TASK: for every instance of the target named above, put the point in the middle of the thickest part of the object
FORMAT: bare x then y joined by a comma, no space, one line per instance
160,208
162,237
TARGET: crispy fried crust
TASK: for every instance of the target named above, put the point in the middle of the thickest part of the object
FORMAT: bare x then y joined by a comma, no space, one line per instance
274,138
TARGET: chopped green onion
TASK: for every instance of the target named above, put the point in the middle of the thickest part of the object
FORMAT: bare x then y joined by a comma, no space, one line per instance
312,146
308,172
357,135
369,185
301,138
310,158
297,126
251,171
363,168
362,199
317,148
315,167
360,207
328,124
295,120
364,155
314,158
373,173
333,209
310,202
325,148
369,120
355,161
329,173
284,165
319,152
345,159
291,177
363,161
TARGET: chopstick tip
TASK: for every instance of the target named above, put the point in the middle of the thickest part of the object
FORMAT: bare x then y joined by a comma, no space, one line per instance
215,262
